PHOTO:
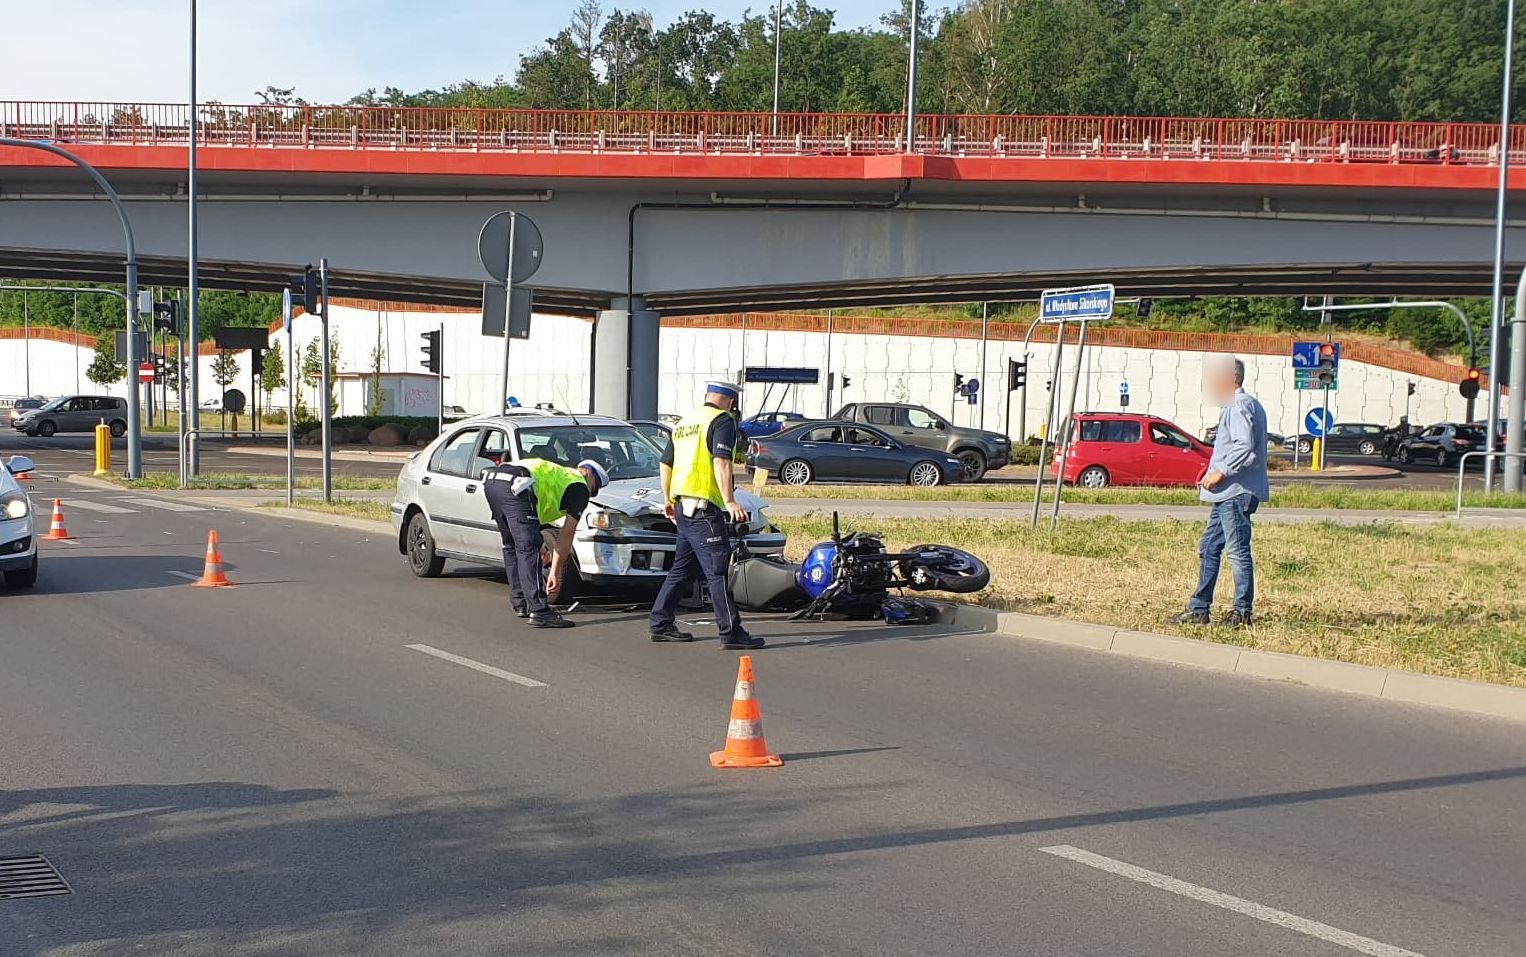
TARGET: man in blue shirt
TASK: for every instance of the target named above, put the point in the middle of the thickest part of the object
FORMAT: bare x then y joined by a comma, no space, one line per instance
1234,485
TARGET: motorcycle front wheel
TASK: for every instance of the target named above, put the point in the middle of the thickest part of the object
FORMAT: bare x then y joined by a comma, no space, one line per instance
944,568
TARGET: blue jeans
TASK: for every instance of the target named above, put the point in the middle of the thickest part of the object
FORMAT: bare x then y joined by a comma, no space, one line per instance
1227,533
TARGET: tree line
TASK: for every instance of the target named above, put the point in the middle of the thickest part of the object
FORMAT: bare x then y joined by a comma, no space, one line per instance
1324,59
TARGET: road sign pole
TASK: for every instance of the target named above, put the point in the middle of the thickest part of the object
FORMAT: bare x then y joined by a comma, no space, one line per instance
291,406
1064,430
1324,414
1054,375
328,413
440,362
508,308
985,332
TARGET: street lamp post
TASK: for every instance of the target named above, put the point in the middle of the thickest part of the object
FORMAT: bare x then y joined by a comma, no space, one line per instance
911,76
1497,292
134,424
192,296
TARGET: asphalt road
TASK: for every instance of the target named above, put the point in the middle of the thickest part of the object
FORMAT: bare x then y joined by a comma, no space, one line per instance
273,770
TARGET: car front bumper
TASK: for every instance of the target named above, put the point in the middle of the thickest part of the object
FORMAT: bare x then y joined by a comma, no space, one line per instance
625,554
18,544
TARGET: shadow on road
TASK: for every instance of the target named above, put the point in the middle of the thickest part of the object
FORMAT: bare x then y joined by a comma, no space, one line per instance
64,574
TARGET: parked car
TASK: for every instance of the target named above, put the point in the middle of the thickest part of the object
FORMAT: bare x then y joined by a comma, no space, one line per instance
832,451
1274,440
22,406
75,413
1362,438
978,449
769,423
1442,444
454,413
440,513
657,433
18,528
1121,448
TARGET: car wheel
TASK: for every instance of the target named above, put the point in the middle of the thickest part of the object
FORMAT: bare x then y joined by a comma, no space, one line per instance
974,462
925,474
567,589
795,472
1305,446
422,560
118,429
46,428
1405,457
1441,458
1093,476
1368,447
23,578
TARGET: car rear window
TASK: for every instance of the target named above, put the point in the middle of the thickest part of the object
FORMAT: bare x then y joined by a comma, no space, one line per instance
1471,434
1109,430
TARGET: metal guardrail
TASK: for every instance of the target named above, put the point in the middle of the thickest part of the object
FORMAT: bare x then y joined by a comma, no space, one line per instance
598,131
1489,457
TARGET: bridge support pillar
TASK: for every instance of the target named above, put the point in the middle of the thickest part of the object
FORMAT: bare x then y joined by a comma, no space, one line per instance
625,361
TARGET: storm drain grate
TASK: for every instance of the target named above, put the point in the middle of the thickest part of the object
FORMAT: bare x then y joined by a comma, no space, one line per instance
30,876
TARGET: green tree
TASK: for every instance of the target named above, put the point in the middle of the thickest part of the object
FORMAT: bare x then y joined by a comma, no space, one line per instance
273,372
104,369
312,368
225,373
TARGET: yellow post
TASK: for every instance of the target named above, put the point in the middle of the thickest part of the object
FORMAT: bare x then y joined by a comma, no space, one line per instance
102,450
1316,460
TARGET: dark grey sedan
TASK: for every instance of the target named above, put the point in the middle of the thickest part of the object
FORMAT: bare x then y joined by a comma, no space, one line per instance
828,451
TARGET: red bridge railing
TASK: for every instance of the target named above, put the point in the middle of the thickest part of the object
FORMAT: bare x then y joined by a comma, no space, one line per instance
788,134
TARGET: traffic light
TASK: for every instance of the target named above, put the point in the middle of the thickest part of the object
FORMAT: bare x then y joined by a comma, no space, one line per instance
1469,384
257,360
1145,307
1017,374
1329,364
432,351
307,291
167,317
1410,388
159,367
958,384
845,381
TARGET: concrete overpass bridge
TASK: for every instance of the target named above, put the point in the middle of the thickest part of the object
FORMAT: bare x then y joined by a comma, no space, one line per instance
680,213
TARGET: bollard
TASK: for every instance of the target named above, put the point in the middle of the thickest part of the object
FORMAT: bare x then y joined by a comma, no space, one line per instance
1316,456
102,450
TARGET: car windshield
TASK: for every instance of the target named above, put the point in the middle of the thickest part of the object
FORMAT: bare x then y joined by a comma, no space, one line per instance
624,452
56,404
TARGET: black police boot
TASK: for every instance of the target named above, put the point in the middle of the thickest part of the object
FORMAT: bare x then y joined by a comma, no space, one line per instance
550,618
671,633
1189,618
743,642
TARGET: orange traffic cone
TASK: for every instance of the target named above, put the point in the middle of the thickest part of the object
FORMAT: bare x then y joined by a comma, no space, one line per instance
212,574
745,747
57,533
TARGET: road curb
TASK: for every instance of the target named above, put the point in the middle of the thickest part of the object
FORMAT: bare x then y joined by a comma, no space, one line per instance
90,481
301,515
1456,694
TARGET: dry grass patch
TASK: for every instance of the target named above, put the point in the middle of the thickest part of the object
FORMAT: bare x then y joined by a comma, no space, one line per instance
1437,599
353,507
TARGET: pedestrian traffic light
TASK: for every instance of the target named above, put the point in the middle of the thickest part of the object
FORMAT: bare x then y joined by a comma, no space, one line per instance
958,384
1017,374
307,291
159,367
1469,384
432,351
167,317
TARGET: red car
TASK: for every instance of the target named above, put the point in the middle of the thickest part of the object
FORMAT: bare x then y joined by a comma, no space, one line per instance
1120,448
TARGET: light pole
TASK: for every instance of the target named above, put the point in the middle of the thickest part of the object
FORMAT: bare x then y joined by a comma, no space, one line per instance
134,435
193,298
1497,297
911,76
778,21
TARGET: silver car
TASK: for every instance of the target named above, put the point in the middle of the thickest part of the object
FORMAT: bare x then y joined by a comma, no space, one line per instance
440,512
18,526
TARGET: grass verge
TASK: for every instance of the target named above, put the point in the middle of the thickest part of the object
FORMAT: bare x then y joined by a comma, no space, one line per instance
238,480
1434,599
353,507
1284,496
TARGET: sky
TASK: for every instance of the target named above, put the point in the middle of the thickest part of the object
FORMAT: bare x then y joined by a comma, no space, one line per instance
329,50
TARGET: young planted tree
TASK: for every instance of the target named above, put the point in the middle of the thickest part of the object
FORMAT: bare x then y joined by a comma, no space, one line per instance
378,356
104,369
273,374
312,368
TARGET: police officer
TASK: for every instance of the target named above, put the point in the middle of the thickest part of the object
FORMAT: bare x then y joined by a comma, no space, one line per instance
525,497
698,489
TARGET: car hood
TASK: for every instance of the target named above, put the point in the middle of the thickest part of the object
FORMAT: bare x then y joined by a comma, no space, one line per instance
639,496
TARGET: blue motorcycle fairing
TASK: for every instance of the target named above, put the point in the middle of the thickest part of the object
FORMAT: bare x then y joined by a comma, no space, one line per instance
816,571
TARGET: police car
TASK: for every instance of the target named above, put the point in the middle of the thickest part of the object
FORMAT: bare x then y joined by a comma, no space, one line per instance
18,530
441,514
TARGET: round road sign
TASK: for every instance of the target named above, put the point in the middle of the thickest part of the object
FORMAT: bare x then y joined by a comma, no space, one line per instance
233,401
1318,422
493,246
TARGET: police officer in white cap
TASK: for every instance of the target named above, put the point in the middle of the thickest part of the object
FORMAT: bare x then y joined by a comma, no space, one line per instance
698,486
525,497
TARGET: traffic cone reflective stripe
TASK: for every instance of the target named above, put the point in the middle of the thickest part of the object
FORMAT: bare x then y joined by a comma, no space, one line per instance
57,532
745,747
212,573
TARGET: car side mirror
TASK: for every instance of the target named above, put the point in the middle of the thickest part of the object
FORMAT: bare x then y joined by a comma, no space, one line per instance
19,464
941,426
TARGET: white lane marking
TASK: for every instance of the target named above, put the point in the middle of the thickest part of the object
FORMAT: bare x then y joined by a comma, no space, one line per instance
188,576
270,551
1302,925
479,666
97,507
165,504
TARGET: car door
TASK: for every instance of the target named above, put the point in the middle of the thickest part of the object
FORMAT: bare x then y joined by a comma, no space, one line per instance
822,447
1173,458
921,427
873,455
442,489
479,535
105,410
77,415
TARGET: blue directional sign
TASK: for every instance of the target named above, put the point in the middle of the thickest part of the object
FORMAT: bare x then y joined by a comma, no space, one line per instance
1305,355
1077,302
1123,387
1316,365
1318,422
972,391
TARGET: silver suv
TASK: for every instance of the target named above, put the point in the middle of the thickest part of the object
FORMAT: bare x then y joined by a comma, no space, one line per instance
440,512
75,413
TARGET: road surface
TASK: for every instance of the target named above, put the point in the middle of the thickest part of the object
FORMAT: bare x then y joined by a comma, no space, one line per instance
337,758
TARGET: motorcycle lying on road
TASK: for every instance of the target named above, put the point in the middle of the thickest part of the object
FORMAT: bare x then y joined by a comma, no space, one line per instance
851,576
